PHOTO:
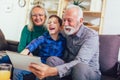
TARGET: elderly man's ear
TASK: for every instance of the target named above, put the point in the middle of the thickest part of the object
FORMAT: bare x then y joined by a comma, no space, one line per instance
81,20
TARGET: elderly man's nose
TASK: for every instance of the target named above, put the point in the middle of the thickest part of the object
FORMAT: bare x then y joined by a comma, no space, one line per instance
65,23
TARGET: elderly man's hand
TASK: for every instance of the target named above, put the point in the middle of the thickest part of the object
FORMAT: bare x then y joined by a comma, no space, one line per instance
43,70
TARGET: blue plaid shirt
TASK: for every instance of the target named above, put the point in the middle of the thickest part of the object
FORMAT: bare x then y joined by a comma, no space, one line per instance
47,46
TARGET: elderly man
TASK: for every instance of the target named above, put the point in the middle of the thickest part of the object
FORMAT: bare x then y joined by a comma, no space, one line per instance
81,57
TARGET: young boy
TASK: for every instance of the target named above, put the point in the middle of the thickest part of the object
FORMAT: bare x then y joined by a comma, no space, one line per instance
51,43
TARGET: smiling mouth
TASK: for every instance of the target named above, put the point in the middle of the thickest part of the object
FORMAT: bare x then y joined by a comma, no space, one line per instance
67,29
51,28
37,20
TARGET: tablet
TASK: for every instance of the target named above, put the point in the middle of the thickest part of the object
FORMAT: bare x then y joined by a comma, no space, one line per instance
21,61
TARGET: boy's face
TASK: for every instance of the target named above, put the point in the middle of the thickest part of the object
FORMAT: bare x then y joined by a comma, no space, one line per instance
53,26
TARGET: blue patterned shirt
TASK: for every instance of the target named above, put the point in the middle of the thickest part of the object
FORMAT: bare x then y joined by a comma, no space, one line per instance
47,46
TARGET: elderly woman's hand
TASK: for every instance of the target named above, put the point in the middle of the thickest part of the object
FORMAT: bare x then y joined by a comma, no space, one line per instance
43,70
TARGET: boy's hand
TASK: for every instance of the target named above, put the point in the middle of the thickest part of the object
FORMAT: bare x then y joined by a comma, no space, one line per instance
25,52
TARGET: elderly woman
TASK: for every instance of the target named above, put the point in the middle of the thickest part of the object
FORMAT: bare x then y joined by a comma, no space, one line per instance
35,28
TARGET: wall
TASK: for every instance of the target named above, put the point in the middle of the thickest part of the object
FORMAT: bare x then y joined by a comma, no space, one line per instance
12,19
112,17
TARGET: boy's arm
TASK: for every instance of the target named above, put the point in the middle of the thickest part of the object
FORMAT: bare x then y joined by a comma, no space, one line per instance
35,43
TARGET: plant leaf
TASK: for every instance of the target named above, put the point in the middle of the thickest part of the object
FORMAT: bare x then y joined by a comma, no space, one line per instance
82,6
78,3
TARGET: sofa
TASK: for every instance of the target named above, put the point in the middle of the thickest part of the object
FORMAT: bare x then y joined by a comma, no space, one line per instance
109,49
7,44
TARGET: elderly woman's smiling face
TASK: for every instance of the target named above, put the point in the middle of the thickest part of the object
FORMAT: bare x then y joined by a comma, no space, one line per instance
38,16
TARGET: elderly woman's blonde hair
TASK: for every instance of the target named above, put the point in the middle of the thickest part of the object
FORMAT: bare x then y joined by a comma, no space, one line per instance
30,24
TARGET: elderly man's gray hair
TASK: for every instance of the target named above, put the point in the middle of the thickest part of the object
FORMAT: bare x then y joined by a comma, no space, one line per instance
80,12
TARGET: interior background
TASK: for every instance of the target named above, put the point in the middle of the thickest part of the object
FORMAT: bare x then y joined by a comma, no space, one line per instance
13,18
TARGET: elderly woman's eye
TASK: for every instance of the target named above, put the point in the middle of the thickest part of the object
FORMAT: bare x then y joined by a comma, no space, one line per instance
41,15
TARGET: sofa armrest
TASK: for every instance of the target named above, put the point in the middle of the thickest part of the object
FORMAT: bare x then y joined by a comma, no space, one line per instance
109,48
118,68
12,45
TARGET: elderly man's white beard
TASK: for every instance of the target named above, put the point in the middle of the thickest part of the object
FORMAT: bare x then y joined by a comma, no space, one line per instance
69,30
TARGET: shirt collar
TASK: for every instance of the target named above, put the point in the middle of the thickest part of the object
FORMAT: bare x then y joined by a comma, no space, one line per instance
46,34
38,28
80,31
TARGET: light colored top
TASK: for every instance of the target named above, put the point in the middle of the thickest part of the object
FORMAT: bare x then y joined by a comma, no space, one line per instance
81,48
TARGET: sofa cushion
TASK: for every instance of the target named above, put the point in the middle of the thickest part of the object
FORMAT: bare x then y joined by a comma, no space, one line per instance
107,78
109,47
3,42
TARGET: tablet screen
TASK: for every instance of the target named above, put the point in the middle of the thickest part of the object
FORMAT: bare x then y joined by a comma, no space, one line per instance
21,61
